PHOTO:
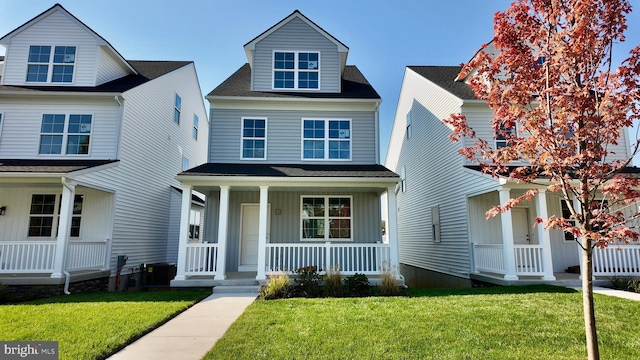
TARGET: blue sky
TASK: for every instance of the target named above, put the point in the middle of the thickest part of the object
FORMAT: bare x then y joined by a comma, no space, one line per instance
383,36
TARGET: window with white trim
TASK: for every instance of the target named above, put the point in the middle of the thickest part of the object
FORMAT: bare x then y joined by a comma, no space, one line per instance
435,223
43,66
503,135
75,140
185,163
177,108
326,139
194,225
566,214
296,70
254,138
196,122
408,124
326,218
403,179
43,215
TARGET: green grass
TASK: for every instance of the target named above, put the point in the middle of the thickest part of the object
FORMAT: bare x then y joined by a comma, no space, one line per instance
92,325
532,322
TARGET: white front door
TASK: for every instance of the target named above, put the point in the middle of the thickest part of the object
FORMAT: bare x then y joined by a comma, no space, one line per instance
249,236
520,218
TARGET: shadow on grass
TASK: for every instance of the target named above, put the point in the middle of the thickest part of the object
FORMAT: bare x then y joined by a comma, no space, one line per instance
163,295
495,290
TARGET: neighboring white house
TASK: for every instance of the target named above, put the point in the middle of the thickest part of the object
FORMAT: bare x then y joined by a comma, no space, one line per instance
90,144
443,237
293,177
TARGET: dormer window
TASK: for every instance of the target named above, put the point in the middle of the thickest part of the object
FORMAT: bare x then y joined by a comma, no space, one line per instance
43,67
296,70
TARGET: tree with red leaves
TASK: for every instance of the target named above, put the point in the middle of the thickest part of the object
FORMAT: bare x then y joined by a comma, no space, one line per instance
561,105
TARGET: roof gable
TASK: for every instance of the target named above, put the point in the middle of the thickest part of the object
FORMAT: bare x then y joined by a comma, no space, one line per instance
446,78
251,45
57,8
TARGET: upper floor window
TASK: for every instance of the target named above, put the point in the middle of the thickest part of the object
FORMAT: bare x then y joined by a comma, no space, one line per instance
503,135
195,126
403,179
296,70
326,139
75,139
43,67
177,109
408,124
254,138
185,163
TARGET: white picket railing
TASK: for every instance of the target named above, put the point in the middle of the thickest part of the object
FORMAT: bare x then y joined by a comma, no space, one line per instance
27,256
528,259
202,259
84,255
348,258
617,260
490,258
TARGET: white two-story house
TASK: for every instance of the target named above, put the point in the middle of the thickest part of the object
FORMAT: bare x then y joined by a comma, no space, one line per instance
444,236
293,177
90,144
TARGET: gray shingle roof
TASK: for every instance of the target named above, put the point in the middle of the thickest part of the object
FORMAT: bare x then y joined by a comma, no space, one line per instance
147,71
354,86
444,76
48,166
291,170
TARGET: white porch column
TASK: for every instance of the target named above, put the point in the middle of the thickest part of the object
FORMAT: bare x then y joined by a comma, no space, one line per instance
392,228
507,238
543,236
185,211
223,223
262,232
64,227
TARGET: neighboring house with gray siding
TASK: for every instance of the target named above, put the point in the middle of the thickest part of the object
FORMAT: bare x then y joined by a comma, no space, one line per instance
90,144
293,177
443,236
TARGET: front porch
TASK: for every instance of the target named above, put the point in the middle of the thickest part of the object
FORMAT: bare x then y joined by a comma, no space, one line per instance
278,225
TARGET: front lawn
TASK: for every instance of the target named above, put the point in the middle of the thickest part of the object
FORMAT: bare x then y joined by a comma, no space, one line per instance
532,322
92,325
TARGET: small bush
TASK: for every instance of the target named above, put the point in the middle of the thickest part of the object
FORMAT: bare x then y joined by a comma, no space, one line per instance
278,287
389,282
626,283
357,285
333,283
308,281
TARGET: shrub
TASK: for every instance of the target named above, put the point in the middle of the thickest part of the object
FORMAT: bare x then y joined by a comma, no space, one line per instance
278,287
308,281
333,283
626,283
389,282
357,285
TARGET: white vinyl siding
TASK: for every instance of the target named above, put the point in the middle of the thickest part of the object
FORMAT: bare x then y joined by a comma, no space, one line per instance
56,30
293,36
23,120
109,68
285,129
149,163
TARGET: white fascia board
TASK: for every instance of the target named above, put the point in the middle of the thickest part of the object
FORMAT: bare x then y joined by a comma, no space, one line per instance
292,103
289,181
44,93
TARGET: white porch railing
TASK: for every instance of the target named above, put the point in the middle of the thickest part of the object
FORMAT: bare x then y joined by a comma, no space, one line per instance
490,258
349,258
202,259
27,256
613,260
84,255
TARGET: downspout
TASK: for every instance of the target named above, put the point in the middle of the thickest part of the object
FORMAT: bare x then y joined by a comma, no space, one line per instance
118,143
67,275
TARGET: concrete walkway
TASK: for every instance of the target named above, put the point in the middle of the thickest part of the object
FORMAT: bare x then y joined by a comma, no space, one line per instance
191,334
611,292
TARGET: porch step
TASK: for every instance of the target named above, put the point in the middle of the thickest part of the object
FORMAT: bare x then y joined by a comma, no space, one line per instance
243,289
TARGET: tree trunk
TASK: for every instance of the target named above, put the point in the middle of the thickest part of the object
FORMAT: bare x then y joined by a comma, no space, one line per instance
587,301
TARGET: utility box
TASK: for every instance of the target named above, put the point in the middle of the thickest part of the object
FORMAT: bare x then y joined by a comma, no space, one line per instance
158,274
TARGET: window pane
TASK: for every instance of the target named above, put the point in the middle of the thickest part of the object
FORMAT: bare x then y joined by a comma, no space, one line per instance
178,103
340,229
79,124
42,204
40,225
37,73
50,144
312,207
77,204
52,123
78,144
62,73
313,149
339,150
64,55
339,207
313,228
75,226
40,54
